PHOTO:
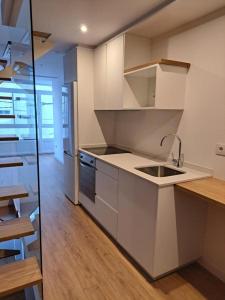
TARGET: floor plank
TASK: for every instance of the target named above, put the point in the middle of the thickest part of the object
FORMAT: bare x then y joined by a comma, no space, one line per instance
80,262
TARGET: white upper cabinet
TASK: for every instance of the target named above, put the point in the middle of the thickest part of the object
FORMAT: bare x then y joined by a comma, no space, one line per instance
126,78
157,85
114,73
100,77
108,74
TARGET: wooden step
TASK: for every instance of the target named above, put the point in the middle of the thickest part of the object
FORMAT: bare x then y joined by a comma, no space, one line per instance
12,192
5,79
8,138
19,275
5,253
15,229
8,213
7,116
6,98
10,162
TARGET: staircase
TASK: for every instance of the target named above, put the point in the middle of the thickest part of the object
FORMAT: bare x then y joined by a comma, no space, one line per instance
18,271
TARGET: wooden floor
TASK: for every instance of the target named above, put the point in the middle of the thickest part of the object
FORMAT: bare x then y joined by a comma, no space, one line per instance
80,262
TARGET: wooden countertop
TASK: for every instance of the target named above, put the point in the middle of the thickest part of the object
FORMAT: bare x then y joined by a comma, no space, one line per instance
211,189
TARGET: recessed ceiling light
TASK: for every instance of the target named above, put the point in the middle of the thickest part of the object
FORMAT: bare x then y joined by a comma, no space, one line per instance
83,28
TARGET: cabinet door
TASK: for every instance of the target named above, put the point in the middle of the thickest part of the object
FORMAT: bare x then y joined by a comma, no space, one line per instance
106,189
100,77
137,212
114,73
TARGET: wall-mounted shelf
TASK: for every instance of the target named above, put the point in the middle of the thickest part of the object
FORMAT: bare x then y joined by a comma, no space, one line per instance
139,109
161,61
158,84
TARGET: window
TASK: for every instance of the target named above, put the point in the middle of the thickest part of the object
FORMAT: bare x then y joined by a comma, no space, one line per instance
22,105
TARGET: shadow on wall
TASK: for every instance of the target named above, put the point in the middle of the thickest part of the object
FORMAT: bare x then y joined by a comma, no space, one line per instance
143,130
106,121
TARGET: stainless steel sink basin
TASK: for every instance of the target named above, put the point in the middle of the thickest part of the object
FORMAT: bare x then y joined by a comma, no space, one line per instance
160,171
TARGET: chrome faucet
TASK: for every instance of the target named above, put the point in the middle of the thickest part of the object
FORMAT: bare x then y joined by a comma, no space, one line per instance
180,160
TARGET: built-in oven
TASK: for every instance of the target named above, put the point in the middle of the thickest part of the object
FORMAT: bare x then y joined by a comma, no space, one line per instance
87,175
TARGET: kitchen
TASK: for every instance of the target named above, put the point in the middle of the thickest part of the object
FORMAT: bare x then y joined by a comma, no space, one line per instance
142,134
141,90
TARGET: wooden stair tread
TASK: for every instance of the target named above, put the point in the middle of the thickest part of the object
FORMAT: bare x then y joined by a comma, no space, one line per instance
6,138
5,253
10,162
6,98
5,79
14,229
211,189
19,275
7,116
12,192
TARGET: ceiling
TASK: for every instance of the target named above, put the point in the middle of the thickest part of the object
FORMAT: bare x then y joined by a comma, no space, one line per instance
175,15
103,18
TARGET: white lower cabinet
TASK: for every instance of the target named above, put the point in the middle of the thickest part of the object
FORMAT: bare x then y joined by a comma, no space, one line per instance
106,200
159,227
137,218
107,216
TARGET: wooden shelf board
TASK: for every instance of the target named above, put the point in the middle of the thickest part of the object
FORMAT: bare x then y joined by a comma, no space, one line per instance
138,109
8,138
14,229
7,116
19,275
12,192
10,162
211,189
161,61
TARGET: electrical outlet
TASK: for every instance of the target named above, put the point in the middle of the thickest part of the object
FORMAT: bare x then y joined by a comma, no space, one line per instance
220,149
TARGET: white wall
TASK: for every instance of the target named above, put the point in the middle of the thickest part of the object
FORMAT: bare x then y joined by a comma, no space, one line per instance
94,128
202,124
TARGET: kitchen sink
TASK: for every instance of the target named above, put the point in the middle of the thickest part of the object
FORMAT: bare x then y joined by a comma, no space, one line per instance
160,171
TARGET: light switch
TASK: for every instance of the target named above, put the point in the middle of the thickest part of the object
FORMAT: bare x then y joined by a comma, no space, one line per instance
220,149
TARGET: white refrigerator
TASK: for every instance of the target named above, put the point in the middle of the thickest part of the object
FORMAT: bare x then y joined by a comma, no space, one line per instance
70,141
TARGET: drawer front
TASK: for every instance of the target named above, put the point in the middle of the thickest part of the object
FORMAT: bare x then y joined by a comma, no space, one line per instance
106,216
107,169
87,203
107,189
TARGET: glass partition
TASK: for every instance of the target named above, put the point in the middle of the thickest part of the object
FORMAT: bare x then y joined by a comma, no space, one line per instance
18,142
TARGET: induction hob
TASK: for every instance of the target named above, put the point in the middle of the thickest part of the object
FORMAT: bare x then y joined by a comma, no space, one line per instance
105,150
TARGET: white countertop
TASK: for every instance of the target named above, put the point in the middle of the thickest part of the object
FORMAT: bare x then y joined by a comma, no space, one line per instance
129,162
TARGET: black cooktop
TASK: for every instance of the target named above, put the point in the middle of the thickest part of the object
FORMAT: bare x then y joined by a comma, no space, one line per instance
106,150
